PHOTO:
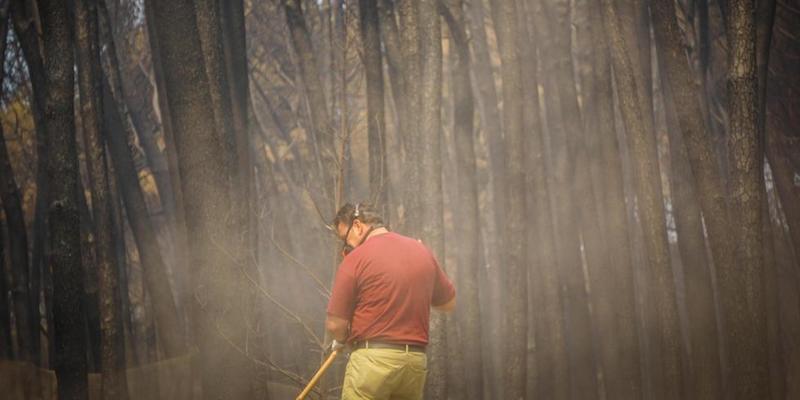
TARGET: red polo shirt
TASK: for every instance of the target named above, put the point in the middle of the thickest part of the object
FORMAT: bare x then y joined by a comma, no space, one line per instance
385,288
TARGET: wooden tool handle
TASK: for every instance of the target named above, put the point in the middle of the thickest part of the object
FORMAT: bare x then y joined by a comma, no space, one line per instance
318,375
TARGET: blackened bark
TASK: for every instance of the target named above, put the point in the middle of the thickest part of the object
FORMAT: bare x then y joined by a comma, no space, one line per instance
564,121
376,126
218,284
685,92
5,309
427,146
183,297
321,124
742,290
62,211
118,139
514,232
467,206
407,16
154,268
665,323
27,334
30,42
609,177
236,65
704,362
107,274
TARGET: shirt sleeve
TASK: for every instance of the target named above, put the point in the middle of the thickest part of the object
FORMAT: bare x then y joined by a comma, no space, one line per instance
443,289
343,295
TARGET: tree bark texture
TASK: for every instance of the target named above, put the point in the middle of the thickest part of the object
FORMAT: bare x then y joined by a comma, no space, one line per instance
118,139
563,118
376,126
608,174
705,378
664,327
6,346
699,143
426,144
742,288
112,342
25,318
467,206
321,123
62,205
514,229
31,45
218,284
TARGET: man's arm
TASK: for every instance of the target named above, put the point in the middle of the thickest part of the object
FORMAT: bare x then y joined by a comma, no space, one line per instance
337,327
446,307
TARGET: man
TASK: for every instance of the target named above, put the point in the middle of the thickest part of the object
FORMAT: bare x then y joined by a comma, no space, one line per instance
380,306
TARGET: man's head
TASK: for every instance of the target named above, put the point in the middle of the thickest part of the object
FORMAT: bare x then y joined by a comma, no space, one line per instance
354,222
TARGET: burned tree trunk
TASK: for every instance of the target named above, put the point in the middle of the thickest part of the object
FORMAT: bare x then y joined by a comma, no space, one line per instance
26,319
426,143
514,232
665,324
742,289
218,283
118,140
110,305
5,310
467,207
376,126
62,206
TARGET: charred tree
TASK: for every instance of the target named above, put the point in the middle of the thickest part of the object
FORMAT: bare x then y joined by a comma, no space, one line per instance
376,125
426,144
62,206
118,138
325,164
218,281
5,308
467,206
107,274
514,230
664,327
742,290
26,321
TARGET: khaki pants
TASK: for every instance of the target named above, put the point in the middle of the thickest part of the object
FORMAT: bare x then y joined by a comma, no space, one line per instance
384,374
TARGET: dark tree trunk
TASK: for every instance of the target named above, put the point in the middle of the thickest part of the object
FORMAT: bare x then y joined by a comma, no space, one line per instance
218,283
514,232
685,92
5,310
237,71
62,211
426,144
742,289
547,371
491,122
31,48
705,378
664,326
107,274
783,148
610,187
321,124
467,207
26,321
181,233
407,16
564,124
154,268
376,126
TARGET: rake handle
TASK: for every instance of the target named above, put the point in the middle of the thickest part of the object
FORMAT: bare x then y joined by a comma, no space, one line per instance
324,367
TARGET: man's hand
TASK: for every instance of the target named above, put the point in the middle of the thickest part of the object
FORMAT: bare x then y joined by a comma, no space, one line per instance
336,345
